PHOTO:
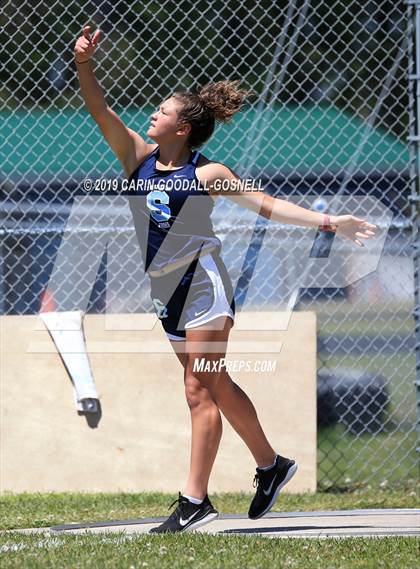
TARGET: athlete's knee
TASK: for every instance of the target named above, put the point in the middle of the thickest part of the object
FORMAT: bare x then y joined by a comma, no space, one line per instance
196,393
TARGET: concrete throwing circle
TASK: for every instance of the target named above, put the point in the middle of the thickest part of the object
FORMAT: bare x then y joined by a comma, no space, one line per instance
325,524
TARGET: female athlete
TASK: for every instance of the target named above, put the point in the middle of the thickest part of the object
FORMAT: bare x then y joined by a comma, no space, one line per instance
190,286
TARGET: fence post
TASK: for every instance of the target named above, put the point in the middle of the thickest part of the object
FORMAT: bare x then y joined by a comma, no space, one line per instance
414,144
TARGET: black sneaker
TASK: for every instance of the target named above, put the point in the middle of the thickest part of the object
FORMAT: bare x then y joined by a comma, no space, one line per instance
187,516
269,483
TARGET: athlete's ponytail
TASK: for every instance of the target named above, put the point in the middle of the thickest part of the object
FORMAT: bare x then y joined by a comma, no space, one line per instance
213,102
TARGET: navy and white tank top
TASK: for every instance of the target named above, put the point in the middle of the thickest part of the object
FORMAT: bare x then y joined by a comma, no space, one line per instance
171,213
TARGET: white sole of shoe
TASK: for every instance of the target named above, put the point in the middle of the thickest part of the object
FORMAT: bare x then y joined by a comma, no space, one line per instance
292,471
209,518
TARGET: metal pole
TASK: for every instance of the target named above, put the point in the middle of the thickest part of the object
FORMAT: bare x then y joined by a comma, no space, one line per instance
414,146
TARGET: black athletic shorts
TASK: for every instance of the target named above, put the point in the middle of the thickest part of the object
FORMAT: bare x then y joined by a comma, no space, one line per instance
191,296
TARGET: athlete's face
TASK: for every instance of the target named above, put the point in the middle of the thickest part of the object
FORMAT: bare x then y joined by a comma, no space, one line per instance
164,125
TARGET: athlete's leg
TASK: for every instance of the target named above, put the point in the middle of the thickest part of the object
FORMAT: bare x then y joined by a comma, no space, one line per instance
206,428
207,388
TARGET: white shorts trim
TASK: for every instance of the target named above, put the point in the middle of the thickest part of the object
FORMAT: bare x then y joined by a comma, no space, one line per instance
220,306
174,338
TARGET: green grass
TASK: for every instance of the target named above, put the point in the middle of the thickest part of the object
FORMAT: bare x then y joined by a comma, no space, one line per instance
382,325
345,460
127,551
206,551
342,307
343,318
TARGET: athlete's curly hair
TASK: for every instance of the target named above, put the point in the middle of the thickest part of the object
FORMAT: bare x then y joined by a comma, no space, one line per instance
215,102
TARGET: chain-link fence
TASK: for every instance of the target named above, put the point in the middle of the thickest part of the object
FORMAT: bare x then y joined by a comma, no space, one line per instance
329,117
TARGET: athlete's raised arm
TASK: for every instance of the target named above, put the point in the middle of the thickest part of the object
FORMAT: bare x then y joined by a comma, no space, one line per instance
222,181
128,146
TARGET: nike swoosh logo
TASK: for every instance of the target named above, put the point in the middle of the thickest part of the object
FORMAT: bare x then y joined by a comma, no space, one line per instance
267,492
184,522
200,312
180,175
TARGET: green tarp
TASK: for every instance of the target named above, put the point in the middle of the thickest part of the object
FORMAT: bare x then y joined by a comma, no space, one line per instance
302,140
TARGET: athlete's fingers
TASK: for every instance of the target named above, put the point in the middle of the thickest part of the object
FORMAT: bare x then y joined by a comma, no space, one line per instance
96,37
86,32
367,225
84,43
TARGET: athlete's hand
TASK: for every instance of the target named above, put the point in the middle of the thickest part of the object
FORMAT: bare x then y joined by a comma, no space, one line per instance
353,228
85,45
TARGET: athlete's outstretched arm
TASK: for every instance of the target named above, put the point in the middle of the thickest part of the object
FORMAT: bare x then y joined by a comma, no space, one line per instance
128,146
277,209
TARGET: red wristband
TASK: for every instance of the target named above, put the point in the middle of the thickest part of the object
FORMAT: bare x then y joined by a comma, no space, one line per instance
326,224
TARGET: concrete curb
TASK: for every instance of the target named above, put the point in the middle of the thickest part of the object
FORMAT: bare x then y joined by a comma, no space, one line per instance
317,524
